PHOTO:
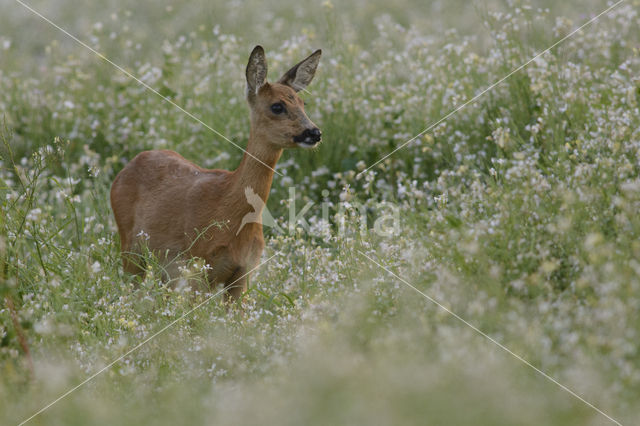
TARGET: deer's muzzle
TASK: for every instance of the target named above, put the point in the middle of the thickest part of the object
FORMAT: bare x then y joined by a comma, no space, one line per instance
308,138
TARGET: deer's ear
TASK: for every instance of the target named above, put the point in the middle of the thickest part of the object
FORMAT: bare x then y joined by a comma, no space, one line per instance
256,72
302,73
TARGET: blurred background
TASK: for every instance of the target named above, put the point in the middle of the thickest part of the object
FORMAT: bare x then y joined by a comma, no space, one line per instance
519,212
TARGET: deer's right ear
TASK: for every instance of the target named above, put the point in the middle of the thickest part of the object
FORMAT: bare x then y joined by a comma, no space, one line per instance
302,73
256,72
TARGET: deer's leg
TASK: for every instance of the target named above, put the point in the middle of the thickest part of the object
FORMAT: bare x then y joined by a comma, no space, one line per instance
172,263
132,261
171,270
236,285
224,270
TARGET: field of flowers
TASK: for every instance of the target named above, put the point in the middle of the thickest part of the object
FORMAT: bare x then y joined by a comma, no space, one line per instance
518,214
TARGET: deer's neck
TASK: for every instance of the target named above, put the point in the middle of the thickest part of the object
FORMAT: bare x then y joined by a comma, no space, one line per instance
254,174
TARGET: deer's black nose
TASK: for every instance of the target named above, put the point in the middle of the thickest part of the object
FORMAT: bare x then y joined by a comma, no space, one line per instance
309,136
315,134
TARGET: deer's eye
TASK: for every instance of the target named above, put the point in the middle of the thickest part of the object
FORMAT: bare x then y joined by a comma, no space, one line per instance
277,108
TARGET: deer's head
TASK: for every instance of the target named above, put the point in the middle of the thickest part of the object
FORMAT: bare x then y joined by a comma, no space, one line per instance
277,112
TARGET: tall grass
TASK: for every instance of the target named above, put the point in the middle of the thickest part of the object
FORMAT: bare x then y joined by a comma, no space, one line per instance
518,213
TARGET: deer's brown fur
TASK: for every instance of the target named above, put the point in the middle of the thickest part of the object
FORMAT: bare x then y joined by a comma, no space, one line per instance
182,210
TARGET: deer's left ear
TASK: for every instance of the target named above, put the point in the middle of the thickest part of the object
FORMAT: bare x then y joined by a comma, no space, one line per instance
256,72
302,73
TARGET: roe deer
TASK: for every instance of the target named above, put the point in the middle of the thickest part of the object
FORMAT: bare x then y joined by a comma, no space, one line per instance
173,202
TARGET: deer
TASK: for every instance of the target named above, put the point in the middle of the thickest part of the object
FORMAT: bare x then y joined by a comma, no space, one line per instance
179,210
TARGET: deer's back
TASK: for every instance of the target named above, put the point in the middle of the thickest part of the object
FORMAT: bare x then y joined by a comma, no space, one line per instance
166,196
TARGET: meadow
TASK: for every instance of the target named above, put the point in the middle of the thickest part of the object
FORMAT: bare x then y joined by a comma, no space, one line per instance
518,214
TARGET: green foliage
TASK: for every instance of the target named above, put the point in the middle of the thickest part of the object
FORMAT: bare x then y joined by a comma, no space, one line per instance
519,213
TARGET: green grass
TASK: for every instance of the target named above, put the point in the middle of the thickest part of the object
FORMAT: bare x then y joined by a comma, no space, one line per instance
518,213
